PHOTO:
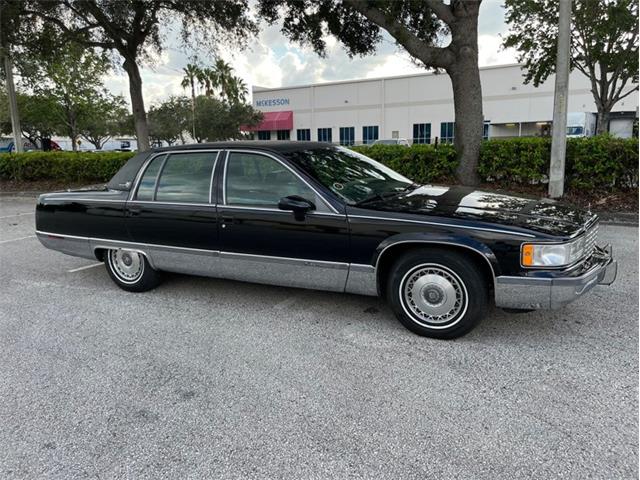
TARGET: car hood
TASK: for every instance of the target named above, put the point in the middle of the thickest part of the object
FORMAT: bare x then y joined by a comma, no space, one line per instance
540,215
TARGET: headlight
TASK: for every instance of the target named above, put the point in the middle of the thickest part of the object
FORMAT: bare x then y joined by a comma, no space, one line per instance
552,255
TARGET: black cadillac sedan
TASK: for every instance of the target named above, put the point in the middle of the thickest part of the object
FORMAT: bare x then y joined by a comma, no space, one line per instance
313,215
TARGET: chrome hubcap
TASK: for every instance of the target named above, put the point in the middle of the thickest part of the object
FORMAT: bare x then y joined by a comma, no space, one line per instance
126,264
433,294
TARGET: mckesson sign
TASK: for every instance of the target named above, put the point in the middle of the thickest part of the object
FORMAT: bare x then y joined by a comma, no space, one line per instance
272,102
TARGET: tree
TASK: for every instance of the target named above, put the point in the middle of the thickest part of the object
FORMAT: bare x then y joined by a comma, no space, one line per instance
73,78
437,35
192,75
604,45
40,117
133,29
102,119
219,120
169,119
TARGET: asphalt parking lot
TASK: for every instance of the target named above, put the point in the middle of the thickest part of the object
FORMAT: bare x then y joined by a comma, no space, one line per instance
205,378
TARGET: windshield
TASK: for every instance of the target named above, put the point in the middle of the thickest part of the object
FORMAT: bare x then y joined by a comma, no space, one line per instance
350,175
385,142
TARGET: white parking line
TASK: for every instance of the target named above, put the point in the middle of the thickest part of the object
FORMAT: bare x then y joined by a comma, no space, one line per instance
84,268
16,239
17,215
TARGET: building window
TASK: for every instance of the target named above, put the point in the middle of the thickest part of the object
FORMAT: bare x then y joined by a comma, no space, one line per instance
303,135
284,135
369,134
485,130
264,135
324,135
421,133
347,135
447,132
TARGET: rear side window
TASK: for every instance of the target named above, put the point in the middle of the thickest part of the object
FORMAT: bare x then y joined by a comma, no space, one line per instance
148,181
180,178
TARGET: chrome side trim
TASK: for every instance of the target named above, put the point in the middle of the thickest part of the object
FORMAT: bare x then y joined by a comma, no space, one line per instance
271,270
75,199
426,222
266,154
362,280
75,246
286,260
277,210
183,204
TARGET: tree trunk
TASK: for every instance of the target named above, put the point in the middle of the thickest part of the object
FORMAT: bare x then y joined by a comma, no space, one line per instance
467,99
13,102
467,91
137,103
602,125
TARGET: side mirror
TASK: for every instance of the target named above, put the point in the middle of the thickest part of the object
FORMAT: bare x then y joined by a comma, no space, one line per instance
296,204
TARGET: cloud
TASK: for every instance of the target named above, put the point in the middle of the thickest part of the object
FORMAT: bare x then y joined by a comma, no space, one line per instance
270,60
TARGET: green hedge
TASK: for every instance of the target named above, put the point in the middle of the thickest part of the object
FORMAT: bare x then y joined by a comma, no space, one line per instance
62,166
601,163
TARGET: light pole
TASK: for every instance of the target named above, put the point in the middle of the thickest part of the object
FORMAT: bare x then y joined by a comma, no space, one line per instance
559,132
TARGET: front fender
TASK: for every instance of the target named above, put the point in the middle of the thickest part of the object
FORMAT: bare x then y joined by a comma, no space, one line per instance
444,239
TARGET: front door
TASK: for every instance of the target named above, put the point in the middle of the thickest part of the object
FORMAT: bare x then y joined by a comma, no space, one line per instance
261,243
171,214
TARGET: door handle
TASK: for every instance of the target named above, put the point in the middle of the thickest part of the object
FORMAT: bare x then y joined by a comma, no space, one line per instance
133,212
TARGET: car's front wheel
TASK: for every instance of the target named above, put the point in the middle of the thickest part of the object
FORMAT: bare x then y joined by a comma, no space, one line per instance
130,270
437,293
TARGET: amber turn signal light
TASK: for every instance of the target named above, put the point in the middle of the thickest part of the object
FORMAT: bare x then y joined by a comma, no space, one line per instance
527,255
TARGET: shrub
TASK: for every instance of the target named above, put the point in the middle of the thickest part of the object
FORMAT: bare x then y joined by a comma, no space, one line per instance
62,166
420,163
601,163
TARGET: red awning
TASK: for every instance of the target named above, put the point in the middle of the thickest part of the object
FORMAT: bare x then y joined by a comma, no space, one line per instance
272,121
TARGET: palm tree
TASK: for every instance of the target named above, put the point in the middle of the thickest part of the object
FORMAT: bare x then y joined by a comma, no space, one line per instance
191,74
238,90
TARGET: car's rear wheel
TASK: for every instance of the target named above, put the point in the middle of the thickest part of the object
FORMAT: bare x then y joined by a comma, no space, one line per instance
437,293
130,270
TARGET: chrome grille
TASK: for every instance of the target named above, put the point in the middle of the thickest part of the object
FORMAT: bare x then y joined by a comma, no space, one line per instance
590,240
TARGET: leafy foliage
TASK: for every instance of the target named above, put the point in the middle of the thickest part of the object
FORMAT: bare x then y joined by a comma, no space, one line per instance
169,120
604,45
437,35
601,163
62,166
133,29
218,120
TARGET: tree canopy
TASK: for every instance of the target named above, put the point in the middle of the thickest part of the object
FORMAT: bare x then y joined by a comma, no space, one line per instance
604,45
134,29
438,35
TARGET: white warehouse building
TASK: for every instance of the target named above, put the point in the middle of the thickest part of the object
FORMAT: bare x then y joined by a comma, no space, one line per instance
419,108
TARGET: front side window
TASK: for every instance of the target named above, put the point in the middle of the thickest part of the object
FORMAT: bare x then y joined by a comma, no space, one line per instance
186,178
350,175
369,134
256,180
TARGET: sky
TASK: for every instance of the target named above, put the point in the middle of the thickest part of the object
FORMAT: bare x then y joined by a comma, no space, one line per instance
271,60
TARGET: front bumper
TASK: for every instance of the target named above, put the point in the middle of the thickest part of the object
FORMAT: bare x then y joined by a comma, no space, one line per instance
556,291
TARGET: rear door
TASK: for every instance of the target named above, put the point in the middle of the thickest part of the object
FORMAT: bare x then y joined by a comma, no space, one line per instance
171,209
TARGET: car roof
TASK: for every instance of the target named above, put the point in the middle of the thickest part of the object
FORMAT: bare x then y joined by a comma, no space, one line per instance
265,145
